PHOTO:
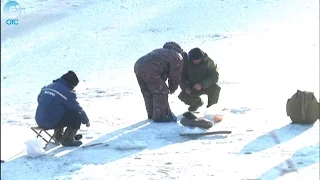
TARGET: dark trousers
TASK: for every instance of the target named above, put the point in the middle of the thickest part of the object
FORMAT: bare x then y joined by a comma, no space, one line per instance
193,99
71,119
155,94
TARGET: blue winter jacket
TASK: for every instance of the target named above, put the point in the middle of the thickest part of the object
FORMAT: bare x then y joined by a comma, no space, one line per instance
53,101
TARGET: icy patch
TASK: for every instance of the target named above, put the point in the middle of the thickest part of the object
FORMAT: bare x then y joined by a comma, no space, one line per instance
193,130
11,121
116,93
75,167
241,110
213,37
223,82
159,30
129,144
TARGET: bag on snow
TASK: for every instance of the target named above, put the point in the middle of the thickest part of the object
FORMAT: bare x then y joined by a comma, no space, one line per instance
34,148
303,108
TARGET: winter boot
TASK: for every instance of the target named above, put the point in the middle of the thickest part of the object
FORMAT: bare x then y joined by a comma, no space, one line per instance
204,123
169,118
194,108
189,115
58,134
199,122
68,138
188,122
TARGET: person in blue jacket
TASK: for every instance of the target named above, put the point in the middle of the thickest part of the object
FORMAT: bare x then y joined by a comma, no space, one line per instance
58,108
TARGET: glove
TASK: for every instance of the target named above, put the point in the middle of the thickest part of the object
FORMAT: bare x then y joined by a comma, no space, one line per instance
88,124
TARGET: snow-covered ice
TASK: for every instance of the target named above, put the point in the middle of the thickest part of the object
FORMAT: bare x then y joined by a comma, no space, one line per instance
265,51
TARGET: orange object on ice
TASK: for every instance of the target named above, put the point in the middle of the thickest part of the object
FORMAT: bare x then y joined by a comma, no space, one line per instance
217,118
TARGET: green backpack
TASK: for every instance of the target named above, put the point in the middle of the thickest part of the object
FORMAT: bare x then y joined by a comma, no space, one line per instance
303,108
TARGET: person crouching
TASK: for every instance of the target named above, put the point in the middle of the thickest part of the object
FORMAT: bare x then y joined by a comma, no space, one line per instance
58,108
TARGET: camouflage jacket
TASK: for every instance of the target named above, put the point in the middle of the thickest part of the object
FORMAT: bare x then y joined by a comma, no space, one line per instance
204,73
165,63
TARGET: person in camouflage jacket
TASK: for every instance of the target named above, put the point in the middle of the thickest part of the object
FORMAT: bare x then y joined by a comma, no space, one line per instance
199,76
152,71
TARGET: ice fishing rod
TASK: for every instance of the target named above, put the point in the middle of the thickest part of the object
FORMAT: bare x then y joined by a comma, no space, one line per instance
2,161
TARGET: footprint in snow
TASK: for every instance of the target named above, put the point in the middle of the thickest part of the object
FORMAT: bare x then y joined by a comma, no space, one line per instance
27,117
100,91
75,167
11,121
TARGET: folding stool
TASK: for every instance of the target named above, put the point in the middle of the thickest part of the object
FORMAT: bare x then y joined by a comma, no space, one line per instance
39,130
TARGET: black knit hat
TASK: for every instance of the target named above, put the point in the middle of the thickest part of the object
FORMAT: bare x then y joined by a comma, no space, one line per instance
71,78
195,53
